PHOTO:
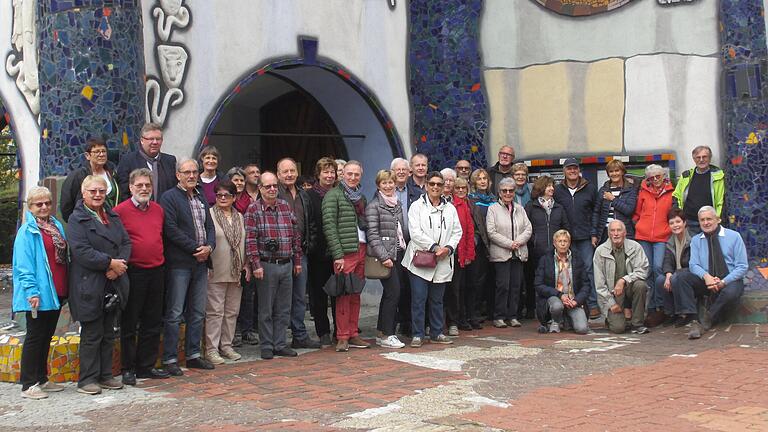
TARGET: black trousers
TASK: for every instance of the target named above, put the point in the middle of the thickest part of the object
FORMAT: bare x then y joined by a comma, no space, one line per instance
142,319
454,293
404,304
97,340
529,293
390,298
474,282
248,317
320,269
509,276
34,354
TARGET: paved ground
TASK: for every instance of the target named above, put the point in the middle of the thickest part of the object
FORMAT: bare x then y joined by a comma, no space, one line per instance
493,379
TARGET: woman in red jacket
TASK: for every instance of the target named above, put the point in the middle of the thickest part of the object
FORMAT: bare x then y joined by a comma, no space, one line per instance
458,297
652,231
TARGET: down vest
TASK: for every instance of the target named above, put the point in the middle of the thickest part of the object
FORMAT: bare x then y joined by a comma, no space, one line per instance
340,223
382,228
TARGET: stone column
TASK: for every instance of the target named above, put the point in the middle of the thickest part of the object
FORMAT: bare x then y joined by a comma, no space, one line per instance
91,78
745,123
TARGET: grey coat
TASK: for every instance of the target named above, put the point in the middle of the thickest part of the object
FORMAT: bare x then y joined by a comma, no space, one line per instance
93,246
382,229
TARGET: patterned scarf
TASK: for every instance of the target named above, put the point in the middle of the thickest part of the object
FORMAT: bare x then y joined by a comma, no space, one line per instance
353,195
564,275
233,231
547,204
59,243
482,199
321,190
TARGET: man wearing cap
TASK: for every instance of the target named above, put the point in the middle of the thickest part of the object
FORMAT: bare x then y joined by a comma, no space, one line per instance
578,196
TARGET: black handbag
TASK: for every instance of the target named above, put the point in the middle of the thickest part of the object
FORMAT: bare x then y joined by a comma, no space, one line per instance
341,284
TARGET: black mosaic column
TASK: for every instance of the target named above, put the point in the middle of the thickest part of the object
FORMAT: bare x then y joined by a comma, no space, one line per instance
91,78
745,123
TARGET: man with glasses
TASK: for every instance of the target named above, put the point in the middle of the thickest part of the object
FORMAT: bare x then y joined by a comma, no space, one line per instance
148,155
703,185
463,169
502,168
273,249
143,220
189,240
96,163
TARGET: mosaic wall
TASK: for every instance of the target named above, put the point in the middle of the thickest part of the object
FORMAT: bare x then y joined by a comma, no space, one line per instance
745,123
91,78
581,7
447,99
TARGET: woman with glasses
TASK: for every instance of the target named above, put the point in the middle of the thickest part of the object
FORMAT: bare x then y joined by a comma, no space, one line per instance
652,231
96,163
39,288
99,249
224,289
434,227
509,231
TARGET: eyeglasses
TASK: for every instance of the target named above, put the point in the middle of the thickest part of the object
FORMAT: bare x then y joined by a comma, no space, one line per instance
95,192
461,188
269,186
658,177
41,204
507,191
505,154
463,168
152,139
223,195
98,152
188,173
142,185
434,184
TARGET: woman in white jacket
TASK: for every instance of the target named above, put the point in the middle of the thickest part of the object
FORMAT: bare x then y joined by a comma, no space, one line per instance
508,231
434,226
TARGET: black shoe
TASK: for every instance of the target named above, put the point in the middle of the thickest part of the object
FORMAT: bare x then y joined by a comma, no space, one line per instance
307,342
405,330
199,363
237,341
641,329
465,326
129,378
153,374
684,321
671,320
174,369
286,352
477,325
326,340
267,354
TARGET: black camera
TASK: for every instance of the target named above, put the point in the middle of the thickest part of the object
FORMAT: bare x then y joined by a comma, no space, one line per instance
271,245
111,302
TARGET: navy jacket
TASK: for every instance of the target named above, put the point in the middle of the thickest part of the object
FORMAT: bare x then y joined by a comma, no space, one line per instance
578,208
623,208
545,286
179,229
70,189
544,225
414,192
133,160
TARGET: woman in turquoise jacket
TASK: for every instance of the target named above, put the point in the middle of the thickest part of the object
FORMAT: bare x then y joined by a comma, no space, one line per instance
40,260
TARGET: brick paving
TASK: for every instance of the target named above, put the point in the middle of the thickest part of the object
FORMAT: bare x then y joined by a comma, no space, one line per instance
493,379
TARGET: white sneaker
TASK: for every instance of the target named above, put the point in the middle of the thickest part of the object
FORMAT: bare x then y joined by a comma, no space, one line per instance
34,392
453,330
391,342
380,340
416,342
442,339
214,357
554,327
514,323
230,354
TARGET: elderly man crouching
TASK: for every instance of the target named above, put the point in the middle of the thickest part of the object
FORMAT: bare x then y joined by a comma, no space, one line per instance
620,271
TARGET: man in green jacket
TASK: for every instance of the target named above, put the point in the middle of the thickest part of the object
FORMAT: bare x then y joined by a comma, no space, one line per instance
701,186
344,227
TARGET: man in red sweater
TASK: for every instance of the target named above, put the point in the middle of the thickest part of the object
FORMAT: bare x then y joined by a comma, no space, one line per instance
143,219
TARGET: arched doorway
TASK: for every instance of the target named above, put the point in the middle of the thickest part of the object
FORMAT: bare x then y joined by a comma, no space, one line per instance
304,111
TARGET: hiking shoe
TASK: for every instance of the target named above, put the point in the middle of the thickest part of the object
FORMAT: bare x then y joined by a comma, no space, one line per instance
442,339
111,384
356,342
391,342
695,331
251,338
34,392
554,327
499,324
594,313
342,346
417,342
51,387
214,357
229,353
514,323
89,389
453,330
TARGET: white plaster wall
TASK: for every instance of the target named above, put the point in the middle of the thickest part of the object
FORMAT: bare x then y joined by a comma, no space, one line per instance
518,33
672,103
227,39
26,131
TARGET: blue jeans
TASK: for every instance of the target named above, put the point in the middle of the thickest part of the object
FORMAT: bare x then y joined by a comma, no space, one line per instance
654,251
585,250
299,302
667,297
421,292
187,294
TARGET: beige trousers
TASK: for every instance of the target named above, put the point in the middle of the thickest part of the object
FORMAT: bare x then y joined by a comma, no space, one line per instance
221,314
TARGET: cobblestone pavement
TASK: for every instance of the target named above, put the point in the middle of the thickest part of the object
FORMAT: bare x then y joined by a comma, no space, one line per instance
492,379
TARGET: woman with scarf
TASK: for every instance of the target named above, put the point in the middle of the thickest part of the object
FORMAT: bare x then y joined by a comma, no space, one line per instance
386,242
224,289
481,271
96,164
522,187
461,290
652,231
546,218
320,261
344,226
39,288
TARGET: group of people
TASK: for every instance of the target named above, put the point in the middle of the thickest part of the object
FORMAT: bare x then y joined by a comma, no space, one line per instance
154,242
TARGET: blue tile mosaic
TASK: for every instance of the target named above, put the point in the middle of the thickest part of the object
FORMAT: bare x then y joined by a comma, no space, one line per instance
447,99
91,78
745,124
